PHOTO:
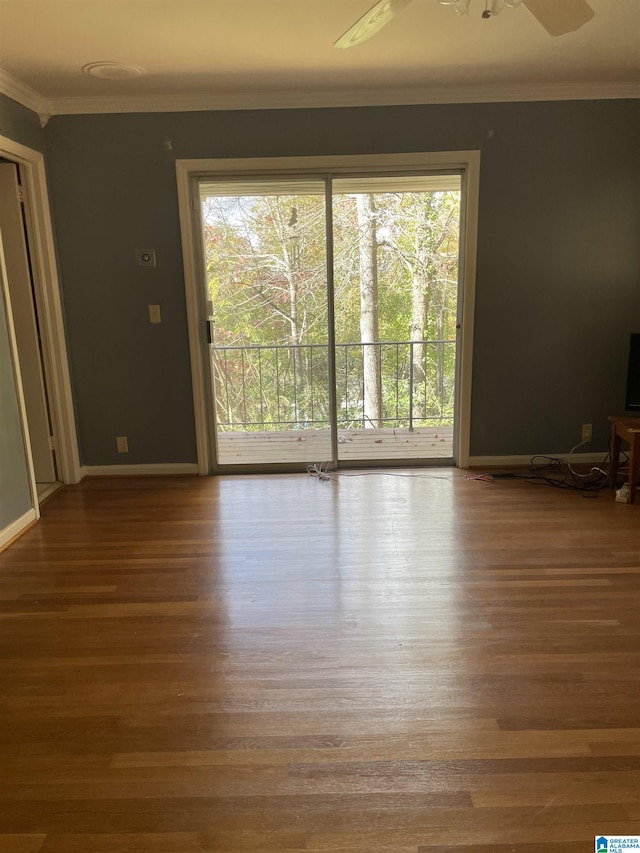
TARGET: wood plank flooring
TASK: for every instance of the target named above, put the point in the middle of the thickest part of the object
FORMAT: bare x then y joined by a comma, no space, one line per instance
402,664
314,445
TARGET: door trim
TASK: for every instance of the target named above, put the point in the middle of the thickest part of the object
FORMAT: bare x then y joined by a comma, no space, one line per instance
33,513
19,282
50,318
188,171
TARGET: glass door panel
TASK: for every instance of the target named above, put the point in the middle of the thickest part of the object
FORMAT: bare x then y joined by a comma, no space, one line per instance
265,255
396,247
395,264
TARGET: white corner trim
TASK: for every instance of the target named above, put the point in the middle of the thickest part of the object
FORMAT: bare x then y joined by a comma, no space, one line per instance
193,294
468,258
161,469
25,95
56,359
17,526
525,460
304,98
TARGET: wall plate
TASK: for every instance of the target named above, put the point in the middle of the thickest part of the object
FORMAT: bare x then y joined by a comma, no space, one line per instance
146,257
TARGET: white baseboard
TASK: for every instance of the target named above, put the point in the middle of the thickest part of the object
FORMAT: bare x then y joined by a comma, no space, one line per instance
525,460
173,468
162,469
17,526
45,492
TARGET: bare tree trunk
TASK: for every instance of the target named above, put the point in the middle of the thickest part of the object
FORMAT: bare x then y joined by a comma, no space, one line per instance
418,321
298,361
419,313
440,358
369,332
288,235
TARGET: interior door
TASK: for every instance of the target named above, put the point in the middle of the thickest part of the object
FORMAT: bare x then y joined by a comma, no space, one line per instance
18,498
25,324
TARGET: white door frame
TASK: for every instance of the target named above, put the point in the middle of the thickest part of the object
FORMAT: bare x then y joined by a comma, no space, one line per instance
49,305
16,261
33,513
468,162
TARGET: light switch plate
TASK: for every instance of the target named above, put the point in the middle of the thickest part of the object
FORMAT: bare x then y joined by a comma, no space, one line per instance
146,257
154,314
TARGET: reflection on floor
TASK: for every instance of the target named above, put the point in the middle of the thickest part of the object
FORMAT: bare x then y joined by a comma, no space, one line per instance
394,662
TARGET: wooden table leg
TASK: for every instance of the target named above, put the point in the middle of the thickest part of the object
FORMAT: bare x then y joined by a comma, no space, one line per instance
633,469
614,453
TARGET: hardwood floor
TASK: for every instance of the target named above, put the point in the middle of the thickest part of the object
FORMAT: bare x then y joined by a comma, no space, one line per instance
403,664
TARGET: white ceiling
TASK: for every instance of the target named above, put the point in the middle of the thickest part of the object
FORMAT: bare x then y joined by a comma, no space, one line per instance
237,53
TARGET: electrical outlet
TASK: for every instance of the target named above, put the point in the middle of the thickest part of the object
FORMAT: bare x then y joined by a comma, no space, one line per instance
586,432
122,444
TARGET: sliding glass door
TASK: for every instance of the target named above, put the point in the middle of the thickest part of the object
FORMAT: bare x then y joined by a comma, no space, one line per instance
265,253
396,247
333,314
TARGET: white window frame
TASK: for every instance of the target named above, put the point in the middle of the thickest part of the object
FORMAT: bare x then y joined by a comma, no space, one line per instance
468,162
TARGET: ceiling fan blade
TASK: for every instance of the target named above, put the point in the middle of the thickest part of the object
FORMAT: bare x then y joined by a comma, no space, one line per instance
371,22
559,17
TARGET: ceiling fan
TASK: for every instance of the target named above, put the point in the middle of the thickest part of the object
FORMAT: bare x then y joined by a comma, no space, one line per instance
556,16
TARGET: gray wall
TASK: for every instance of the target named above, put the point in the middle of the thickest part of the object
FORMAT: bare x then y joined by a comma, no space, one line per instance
15,494
558,276
20,124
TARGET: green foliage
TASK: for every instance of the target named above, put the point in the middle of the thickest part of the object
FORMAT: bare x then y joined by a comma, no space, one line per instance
265,260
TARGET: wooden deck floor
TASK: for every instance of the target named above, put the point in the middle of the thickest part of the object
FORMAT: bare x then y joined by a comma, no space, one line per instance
311,445
415,663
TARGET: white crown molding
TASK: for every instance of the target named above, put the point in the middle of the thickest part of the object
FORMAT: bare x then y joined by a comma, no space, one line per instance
25,95
341,98
296,99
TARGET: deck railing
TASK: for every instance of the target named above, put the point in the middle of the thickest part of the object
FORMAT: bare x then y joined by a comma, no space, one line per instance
286,386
